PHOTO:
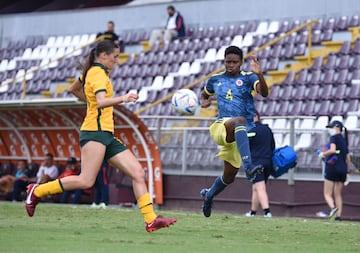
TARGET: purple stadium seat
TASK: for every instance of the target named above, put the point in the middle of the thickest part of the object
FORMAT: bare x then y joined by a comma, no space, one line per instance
287,92
354,92
336,108
284,27
325,92
327,35
308,108
354,21
264,54
339,92
341,76
287,52
316,37
328,76
300,49
330,62
282,107
290,78
302,77
343,62
311,93
322,109
329,24
317,64
341,23
295,108
275,92
273,64
355,63
298,92
302,38
355,75
124,71
276,51
315,77
356,48
345,48
353,106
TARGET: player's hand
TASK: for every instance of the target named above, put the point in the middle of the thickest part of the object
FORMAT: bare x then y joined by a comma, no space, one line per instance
321,155
255,65
130,97
205,103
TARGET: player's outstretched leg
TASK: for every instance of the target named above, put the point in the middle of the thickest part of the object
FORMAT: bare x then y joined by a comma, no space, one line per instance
208,195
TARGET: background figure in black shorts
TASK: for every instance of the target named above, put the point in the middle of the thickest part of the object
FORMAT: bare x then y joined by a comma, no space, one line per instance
337,165
262,147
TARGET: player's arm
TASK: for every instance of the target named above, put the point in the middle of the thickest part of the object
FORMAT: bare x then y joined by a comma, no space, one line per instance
261,86
206,93
76,88
103,101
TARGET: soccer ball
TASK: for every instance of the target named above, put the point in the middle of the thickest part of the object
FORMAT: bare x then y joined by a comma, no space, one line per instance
185,102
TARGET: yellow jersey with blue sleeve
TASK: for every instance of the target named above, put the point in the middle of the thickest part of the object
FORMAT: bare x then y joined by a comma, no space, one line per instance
97,119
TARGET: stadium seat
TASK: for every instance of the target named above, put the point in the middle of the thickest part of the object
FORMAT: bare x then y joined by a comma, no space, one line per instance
304,141
354,21
351,122
321,122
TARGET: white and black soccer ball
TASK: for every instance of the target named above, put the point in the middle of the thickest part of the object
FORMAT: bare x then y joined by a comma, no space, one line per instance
185,102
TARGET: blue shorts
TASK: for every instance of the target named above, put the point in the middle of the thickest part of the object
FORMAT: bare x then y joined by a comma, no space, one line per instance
264,176
334,175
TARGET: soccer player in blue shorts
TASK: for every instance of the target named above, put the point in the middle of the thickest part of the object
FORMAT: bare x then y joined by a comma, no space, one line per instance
233,90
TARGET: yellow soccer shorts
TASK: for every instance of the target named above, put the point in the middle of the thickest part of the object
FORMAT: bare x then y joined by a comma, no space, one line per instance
228,151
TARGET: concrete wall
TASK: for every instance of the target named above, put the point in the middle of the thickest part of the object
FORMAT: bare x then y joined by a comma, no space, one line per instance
303,199
201,12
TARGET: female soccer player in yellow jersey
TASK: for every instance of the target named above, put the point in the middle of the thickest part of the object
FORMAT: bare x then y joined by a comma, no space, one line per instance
97,139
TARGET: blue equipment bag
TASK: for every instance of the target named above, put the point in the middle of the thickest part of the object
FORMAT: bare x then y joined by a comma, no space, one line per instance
284,159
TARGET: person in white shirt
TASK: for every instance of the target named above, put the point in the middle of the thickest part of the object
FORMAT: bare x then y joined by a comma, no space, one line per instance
47,171
175,28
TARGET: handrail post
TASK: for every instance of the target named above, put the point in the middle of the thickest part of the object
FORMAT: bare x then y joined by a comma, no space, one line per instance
309,42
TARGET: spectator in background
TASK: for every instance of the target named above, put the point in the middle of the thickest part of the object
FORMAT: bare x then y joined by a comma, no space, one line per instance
102,187
21,183
262,145
47,171
111,35
336,169
71,170
7,181
175,27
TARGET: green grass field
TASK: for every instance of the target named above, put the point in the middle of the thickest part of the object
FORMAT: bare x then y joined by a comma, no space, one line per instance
60,228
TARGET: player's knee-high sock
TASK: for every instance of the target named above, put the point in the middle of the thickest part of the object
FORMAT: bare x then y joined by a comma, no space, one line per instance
146,208
52,187
243,145
217,187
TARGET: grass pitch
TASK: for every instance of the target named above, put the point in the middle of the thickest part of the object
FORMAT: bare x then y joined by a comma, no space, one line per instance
64,228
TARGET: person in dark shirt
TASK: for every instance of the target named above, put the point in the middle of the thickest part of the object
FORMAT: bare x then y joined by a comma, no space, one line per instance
262,145
335,169
111,35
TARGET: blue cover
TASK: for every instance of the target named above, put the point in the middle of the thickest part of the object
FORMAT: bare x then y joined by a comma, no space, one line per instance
284,159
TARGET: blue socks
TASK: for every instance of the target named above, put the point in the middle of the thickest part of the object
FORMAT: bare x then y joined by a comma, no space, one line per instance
217,187
243,145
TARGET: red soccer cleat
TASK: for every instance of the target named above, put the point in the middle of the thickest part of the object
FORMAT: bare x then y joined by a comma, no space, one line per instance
158,223
31,200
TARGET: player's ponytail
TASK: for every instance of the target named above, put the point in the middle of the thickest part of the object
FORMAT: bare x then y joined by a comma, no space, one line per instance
106,46
346,135
89,62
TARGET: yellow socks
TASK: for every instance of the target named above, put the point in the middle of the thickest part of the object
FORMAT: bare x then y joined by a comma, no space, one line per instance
146,208
51,187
